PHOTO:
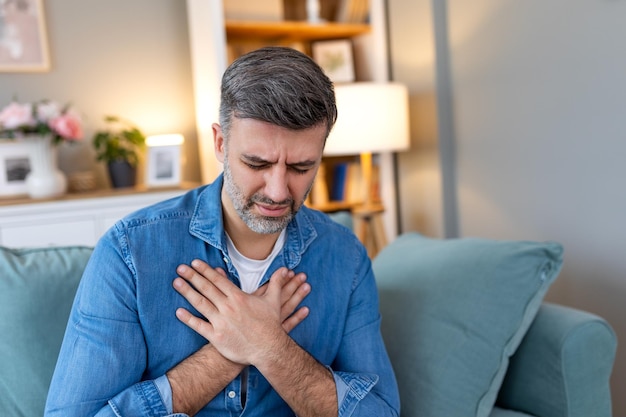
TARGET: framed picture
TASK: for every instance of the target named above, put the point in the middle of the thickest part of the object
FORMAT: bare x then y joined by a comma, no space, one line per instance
23,43
15,163
335,58
163,168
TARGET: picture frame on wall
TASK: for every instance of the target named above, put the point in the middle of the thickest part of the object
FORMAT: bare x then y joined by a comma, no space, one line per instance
23,40
15,164
336,59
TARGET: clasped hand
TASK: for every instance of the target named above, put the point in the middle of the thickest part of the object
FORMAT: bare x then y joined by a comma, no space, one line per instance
243,327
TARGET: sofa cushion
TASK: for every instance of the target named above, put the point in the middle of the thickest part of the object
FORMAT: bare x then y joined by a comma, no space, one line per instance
454,311
37,287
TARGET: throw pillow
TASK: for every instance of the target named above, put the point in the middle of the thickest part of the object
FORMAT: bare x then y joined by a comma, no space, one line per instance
37,288
454,311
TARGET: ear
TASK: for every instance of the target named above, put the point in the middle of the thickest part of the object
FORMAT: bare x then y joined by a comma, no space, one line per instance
218,142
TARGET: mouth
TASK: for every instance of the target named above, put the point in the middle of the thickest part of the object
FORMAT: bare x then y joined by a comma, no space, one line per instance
272,210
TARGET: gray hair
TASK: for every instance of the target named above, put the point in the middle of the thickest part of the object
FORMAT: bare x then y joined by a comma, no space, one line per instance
277,85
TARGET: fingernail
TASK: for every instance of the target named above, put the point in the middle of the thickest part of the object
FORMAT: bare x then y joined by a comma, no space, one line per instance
181,269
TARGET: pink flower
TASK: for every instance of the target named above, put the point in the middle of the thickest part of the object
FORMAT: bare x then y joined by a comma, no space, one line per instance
47,110
16,115
67,125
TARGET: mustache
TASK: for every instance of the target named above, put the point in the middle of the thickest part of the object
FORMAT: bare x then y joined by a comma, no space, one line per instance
259,198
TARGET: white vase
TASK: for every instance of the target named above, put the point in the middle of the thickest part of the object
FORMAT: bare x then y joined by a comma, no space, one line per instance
44,180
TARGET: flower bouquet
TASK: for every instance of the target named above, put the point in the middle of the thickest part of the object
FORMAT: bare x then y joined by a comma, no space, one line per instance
42,118
42,125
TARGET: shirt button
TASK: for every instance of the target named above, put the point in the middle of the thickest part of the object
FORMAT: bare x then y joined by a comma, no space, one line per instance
231,394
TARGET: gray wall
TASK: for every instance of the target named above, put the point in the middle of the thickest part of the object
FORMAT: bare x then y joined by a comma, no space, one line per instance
128,58
538,102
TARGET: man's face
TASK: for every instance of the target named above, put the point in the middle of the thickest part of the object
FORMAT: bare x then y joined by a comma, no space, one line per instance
268,171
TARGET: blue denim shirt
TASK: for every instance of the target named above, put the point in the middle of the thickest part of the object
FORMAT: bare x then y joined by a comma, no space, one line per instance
123,335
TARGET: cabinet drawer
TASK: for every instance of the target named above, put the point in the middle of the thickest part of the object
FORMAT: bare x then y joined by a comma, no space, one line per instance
59,233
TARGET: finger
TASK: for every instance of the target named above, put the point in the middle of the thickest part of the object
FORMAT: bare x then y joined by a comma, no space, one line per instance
292,286
294,301
261,290
203,281
197,300
295,319
202,327
217,278
281,277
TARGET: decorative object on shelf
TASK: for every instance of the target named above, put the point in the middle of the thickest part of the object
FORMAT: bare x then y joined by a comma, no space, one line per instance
23,46
313,9
45,179
372,118
119,146
164,160
82,181
40,126
335,58
15,162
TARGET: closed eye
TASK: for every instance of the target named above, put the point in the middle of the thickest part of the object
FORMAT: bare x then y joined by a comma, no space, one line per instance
256,167
300,170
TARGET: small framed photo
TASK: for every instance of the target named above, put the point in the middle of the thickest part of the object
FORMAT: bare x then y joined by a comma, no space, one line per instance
163,166
335,58
23,42
15,164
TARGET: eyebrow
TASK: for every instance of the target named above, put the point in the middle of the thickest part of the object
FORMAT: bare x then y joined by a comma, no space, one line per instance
259,160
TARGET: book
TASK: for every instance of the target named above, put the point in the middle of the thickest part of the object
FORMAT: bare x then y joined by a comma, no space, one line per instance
338,187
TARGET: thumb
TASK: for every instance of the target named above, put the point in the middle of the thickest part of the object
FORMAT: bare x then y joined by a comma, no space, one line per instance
277,281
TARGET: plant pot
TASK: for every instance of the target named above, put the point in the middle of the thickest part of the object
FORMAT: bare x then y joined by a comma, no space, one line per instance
122,174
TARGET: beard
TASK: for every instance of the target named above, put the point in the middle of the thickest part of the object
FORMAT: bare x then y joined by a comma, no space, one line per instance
243,206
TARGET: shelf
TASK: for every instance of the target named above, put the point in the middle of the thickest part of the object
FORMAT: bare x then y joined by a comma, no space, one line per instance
333,206
104,193
292,30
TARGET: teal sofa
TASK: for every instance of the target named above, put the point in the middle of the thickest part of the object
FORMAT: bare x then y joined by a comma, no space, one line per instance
464,322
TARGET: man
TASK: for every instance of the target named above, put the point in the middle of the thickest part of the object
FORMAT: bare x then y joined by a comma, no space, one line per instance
136,342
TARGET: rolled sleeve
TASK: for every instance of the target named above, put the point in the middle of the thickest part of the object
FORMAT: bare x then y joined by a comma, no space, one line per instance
141,399
351,389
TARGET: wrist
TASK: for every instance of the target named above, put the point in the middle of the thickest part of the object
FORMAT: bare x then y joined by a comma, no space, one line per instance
279,347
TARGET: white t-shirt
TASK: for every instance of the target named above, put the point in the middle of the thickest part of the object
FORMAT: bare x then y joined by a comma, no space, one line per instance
251,271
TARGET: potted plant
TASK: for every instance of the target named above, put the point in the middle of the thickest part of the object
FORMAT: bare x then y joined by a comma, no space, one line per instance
119,146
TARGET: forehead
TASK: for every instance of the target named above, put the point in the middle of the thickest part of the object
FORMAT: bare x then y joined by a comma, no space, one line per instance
273,142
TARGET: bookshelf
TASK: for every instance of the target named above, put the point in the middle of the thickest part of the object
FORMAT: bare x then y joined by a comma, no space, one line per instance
216,40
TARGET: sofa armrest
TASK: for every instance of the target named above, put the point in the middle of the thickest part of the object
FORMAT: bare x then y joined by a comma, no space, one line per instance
562,366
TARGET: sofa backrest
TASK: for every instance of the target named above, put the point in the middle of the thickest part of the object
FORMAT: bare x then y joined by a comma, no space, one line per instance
37,288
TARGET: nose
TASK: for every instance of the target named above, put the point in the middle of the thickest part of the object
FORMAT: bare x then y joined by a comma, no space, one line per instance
276,184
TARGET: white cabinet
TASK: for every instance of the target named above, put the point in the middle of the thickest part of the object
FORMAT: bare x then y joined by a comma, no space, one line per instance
73,219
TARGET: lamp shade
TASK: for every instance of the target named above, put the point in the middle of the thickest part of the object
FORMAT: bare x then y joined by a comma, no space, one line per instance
372,117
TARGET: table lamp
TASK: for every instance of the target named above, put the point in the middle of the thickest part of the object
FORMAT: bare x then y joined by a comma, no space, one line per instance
372,117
